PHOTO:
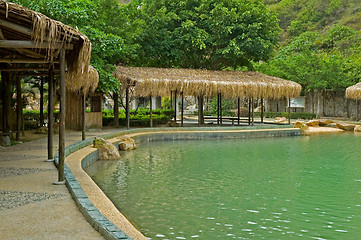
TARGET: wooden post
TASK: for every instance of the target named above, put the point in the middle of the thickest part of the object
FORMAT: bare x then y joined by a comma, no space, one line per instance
6,93
239,110
151,111
182,113
200,111
61,177
83,124
249,111
41,102
262,110
218,122
19,107
175,106
289,110
127,106
116,109
220,109
252,111
51,86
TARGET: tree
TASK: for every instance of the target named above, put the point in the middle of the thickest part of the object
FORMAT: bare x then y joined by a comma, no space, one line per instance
211,34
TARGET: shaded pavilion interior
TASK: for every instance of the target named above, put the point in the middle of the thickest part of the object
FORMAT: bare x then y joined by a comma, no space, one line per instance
148,82
32,44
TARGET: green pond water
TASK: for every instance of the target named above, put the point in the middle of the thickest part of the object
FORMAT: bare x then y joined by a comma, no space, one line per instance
272,188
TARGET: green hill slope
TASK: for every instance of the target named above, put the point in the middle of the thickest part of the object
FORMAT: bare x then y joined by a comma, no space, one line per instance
298,16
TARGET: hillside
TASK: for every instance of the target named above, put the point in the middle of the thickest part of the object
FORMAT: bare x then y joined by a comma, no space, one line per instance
298,16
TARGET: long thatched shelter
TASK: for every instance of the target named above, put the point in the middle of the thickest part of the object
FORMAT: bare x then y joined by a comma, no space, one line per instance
142,81
32,44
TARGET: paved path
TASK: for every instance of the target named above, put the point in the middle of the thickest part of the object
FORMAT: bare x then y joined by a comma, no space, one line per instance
31,207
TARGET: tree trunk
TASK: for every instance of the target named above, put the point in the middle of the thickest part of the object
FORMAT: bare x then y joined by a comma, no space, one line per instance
116,109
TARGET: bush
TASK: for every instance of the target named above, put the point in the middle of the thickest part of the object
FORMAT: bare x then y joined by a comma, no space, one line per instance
141,117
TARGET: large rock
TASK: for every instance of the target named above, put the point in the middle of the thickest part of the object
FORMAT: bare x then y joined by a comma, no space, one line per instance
106,150
357,128
324,122
126,143
280,120
5,140
346,126
305,129
313,123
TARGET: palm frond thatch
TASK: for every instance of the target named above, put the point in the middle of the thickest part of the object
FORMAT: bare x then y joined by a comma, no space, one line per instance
46,31
192,82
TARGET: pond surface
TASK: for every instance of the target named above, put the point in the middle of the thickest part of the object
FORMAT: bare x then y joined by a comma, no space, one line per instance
272,188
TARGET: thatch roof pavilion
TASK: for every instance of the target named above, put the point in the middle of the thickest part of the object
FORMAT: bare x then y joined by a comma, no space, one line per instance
32,44
354,92
143,81
191,82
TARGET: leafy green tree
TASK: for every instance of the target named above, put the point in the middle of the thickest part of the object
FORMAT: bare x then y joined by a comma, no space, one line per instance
211,34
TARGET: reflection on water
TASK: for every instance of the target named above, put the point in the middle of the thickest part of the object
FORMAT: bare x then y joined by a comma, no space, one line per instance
284,188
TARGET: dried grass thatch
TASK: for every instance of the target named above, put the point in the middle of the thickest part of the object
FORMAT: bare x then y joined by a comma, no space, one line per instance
161,81
44,30
354,92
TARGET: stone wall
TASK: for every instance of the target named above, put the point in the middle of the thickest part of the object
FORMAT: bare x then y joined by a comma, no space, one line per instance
325,103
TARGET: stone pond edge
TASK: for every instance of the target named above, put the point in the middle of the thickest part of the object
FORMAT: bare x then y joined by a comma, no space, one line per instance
97,220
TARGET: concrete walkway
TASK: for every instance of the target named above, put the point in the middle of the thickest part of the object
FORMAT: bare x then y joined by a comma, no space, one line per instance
31,207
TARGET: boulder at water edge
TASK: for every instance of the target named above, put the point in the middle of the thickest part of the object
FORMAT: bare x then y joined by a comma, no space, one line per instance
305,129
324,122
313,123
106,150
357,128
345,126
126,143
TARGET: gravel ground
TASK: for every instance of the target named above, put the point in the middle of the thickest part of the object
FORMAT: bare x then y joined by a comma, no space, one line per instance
31,207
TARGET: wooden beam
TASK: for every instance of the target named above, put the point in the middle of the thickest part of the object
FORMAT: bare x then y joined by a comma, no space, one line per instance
25,60
16,27
14,44
23,69
37,74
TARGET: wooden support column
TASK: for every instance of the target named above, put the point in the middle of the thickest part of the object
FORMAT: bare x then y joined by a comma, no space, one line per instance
220,109
19,107
127,106
51,85
218,122
238,110
41,102
289,110
262,110
83,123
151,111
200,111
249,111
6,93
252,111
175,106
116,109
61,177
182,113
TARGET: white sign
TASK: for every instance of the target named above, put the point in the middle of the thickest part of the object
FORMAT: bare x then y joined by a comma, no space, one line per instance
297,102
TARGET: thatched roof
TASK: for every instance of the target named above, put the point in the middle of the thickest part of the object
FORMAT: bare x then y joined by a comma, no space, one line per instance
354,92
49,36
160,81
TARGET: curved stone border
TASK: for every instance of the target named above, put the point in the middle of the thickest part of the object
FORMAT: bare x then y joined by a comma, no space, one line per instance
102,224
